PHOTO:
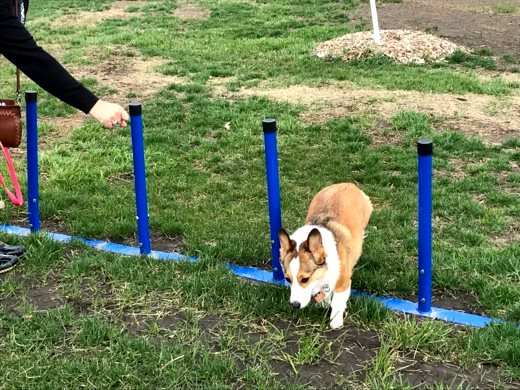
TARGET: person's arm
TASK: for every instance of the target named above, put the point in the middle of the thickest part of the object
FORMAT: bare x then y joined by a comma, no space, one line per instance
18,46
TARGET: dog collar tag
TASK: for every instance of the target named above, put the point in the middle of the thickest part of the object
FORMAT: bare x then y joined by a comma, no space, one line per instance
326,288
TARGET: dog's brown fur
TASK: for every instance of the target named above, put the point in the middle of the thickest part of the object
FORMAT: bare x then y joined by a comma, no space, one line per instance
319,257
345,210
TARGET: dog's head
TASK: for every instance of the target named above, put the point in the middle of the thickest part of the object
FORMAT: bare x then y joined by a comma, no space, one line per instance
304,266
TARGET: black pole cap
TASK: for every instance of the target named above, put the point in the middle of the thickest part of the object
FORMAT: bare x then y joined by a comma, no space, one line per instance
135,109
269,125
425,147
31,96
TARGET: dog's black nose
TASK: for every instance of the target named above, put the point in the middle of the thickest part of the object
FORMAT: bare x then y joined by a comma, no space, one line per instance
296,305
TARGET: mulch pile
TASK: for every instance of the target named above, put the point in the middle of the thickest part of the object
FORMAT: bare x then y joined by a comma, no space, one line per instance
404,46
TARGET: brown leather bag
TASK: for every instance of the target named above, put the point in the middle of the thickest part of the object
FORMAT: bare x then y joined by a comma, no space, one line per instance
10,123
10,112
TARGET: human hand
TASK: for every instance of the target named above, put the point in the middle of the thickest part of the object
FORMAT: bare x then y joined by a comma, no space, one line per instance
109,114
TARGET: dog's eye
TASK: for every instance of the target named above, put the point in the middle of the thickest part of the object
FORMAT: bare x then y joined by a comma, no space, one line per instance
304,280
288,279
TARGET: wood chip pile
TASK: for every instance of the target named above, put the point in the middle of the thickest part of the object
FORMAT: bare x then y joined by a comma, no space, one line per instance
404,46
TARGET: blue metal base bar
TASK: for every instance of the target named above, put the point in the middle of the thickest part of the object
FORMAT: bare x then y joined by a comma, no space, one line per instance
263,276
399,305
100,245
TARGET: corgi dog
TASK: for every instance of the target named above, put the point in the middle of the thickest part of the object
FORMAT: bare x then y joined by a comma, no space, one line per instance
318,259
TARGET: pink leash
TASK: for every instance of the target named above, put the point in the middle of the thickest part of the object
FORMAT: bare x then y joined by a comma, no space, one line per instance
18,198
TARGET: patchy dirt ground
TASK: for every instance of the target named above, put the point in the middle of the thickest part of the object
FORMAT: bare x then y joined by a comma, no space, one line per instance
353,347
123,78
492,118
472,23
187,11
119,10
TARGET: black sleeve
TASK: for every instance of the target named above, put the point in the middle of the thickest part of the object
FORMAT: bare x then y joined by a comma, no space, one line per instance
19,47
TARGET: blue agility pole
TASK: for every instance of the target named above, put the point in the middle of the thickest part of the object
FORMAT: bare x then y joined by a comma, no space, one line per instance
31,120
424,158
273,194
141,203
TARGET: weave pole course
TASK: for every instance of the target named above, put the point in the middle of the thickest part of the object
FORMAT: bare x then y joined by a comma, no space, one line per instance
423,308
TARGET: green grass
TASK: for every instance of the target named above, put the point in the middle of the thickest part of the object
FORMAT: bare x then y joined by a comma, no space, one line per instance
476,60
56,343
506,9
155,320
206,183
509,59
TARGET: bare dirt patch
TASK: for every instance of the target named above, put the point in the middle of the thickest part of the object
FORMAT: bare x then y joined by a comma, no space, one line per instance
510,235
62,126
127,77
121,75
471,23
471,113
188,11
119,10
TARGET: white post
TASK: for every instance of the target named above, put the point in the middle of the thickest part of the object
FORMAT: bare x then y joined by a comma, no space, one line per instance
375,22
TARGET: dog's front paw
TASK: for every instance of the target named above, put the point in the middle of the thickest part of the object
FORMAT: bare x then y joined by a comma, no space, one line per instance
337,321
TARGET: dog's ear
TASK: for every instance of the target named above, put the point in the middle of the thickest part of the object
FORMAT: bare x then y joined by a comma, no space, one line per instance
286,244
315,246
